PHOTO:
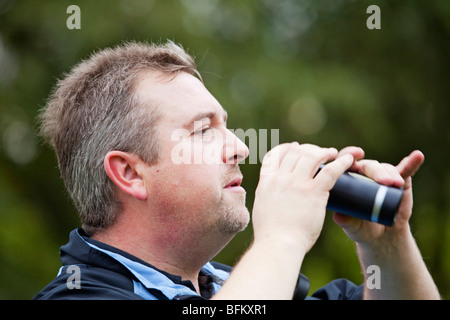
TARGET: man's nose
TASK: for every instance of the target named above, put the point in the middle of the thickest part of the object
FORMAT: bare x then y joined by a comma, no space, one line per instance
235,150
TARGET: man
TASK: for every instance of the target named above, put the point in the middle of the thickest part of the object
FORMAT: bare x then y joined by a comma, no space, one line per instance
151,224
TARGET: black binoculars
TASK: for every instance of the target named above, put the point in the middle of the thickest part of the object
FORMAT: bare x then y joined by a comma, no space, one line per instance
361,197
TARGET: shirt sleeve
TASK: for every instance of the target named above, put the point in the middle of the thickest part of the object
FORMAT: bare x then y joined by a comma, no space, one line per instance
340,289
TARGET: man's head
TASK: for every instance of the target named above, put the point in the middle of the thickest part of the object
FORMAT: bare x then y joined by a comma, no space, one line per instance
122,105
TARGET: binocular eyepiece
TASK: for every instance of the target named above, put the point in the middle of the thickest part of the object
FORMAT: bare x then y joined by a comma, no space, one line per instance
361,197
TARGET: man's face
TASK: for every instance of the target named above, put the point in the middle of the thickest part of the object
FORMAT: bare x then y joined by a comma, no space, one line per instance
196,181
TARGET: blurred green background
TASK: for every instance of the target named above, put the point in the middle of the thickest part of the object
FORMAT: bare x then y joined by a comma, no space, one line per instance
310,68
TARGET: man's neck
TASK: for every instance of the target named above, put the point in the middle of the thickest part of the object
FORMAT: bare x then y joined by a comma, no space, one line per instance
180,258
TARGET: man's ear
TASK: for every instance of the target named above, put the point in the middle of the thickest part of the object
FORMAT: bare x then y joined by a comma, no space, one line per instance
124,170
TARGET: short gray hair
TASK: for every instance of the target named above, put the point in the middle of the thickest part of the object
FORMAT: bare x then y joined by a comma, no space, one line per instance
95,109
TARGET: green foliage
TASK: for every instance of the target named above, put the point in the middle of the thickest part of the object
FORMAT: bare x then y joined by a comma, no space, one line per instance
309,68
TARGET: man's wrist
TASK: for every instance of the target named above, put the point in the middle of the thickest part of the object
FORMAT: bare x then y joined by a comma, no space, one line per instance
389,244
282,243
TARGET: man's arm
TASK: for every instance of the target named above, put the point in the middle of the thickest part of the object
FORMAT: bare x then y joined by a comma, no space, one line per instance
403,273
288,216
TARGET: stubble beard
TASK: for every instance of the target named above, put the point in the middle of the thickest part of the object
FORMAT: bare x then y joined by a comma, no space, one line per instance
233,215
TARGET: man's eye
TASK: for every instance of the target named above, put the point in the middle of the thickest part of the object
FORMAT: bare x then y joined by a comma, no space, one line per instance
202,131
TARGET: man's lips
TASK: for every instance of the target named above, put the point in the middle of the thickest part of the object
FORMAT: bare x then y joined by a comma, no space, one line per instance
235,185
236,182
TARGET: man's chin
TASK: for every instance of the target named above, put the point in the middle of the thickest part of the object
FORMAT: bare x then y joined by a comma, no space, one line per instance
234,219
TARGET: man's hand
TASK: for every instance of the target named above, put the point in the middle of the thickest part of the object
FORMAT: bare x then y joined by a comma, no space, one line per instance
403,273
291,197
365,232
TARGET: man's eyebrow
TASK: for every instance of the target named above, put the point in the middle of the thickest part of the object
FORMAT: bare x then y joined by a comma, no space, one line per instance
209,115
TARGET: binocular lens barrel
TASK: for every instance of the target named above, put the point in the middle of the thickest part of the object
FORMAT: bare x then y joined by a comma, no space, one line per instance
361,197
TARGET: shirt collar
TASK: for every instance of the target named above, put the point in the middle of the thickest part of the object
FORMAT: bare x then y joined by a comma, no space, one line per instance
169,285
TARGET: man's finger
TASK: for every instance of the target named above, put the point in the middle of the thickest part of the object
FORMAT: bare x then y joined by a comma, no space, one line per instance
411,164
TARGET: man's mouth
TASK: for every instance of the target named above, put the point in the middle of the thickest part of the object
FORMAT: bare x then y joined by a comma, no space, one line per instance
235,185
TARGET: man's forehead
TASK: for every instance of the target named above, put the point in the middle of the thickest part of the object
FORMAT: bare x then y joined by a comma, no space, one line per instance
160,80
181,94
219,115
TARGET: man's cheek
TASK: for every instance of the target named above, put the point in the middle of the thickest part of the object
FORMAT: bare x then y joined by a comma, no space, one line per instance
212,150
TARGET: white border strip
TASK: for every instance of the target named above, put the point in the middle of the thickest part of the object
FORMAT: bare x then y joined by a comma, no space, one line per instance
378,203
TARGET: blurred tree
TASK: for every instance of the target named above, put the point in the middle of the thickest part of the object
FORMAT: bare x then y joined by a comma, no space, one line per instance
309,68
